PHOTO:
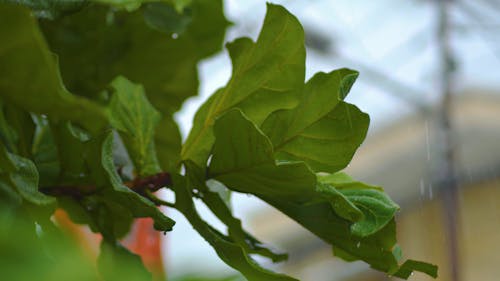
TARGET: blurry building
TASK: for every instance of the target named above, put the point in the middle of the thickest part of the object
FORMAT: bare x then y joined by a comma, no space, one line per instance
401,157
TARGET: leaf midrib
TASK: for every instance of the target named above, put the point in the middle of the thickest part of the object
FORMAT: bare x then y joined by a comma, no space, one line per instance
215,109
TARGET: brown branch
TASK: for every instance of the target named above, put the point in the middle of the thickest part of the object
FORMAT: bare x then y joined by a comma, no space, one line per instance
140,185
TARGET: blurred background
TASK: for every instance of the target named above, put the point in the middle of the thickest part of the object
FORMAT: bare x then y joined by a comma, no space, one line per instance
430,80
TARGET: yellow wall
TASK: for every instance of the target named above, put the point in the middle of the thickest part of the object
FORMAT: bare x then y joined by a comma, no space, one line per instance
422,235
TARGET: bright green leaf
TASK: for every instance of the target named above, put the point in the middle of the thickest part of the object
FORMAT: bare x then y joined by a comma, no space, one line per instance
267,75
243,160
322,130
376,207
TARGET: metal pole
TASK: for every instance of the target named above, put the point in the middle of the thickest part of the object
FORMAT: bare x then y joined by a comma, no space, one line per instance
446,169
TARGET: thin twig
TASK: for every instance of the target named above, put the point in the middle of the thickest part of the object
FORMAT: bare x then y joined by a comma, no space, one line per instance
140,185
149,194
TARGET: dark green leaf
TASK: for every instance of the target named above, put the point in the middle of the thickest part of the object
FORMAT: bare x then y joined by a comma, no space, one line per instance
131,5
168,144
69,141
45,152
136,120
267,75
40,89
95,45
21,174
409,266
166,18
100,160
50,9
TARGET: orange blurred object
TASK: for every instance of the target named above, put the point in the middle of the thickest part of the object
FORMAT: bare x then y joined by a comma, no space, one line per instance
142,240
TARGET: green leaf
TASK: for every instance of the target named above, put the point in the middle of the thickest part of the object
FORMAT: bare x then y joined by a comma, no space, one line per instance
166,18
49,8
340,203
409,266
116,263
243,160
21,174
100,161
320,219
16,130
136,119
376,207
378,210
267,75
231,253
220,207
46,152
95,45
322,130
168,144
8,135
132,5
69,141
40,89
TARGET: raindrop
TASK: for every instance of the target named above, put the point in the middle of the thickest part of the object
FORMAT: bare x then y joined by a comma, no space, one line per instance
359,244
427,144
175,35
431,195
422,187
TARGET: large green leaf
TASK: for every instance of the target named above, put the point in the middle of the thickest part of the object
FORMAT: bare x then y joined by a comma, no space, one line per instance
267,75
136,120
29,76
322,130
243,160
231,253
94,47
355,218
